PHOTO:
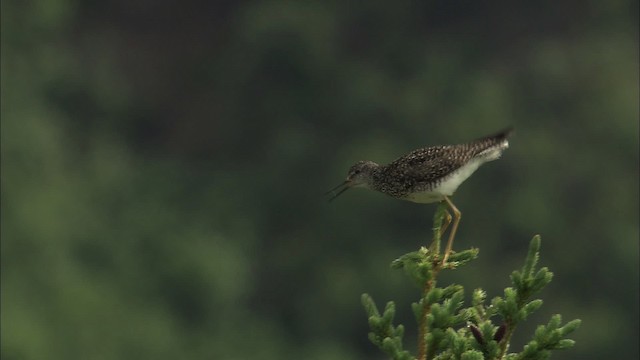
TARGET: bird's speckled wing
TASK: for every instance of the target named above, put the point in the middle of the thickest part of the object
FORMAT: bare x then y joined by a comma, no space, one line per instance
424,168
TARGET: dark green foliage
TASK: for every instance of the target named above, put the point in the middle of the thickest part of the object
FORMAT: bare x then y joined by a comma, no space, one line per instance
416,265
441,316
548,337
383,333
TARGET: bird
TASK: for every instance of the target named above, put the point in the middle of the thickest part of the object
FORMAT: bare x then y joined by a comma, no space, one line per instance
427,175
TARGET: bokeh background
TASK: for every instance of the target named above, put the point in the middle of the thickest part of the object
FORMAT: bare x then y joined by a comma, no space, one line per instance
164,163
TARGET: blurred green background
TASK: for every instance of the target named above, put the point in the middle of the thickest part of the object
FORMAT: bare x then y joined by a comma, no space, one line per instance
163,165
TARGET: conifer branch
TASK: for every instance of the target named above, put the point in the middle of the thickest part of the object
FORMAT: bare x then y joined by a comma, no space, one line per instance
441,318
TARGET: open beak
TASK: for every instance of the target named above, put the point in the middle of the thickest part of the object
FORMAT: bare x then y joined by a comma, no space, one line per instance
336,191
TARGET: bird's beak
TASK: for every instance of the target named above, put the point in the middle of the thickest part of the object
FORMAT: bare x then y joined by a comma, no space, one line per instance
336,191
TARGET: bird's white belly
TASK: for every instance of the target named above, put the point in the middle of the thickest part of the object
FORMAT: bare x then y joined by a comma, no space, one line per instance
448,185
424,197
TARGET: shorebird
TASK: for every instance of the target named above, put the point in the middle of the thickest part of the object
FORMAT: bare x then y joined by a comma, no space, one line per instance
427,175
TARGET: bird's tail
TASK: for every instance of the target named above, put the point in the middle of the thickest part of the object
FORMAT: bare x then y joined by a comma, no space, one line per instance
492,146
498,137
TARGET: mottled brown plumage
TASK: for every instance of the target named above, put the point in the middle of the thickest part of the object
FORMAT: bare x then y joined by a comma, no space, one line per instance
428,174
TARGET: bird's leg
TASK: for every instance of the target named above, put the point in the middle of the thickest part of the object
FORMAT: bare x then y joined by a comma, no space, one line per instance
441,221
456,220
446,221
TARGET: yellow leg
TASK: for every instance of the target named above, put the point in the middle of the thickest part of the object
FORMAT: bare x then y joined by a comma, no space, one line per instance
456,220
445,223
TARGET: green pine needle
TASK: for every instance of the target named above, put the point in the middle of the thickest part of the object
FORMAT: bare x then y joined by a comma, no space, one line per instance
445,322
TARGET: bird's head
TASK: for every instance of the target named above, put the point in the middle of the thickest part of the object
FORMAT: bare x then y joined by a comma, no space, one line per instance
360,175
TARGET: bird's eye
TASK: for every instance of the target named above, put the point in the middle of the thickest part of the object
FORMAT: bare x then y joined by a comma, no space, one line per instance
356,172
